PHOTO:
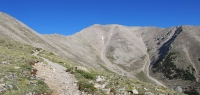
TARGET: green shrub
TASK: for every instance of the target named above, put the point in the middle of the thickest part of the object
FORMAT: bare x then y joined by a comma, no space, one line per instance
51,53
86,75
171,71
85,86
38,49
70,69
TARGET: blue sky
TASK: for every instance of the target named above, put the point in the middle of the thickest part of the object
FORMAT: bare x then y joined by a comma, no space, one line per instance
70,16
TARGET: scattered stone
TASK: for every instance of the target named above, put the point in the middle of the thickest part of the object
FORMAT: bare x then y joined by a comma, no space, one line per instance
30,93
135,91
100,79
16,67
31,82
5,62
2,88
2,79
148,93
22,72
103,86
96,85
178,89
10,86
33,77
39,78
13,76
106,90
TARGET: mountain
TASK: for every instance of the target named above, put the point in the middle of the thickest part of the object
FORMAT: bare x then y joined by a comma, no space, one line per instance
167,56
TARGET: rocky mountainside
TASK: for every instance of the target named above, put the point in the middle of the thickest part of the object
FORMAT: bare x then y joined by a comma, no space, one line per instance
169,55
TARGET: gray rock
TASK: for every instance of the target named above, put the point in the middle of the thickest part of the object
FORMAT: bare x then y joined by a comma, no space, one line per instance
148,93
1,79
10,86
178,89
2,88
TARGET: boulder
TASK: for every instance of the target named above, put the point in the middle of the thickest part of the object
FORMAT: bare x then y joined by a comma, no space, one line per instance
178,89
99,79
135,91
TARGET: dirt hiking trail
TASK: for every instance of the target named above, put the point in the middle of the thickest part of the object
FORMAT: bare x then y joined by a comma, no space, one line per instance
56,77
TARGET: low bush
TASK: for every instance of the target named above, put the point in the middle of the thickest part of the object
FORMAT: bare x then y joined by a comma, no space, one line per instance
85,86
86,75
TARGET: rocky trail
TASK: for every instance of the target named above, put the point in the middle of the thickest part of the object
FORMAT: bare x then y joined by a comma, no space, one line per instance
146,70
56,77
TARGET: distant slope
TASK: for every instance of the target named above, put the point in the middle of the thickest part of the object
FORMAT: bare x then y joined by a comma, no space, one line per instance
180,65
16,30
93,47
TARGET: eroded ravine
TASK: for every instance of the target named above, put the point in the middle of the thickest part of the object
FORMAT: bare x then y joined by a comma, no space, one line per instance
146,70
